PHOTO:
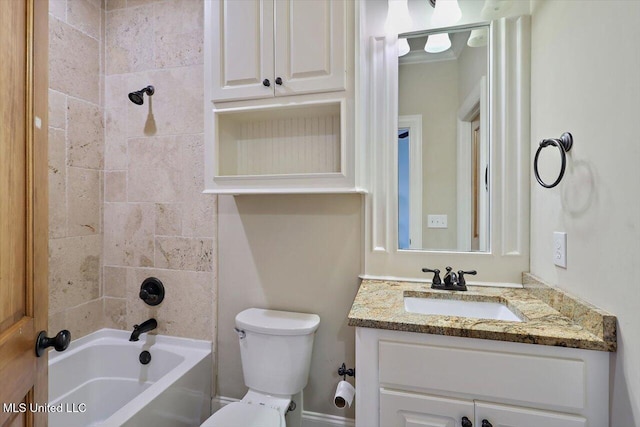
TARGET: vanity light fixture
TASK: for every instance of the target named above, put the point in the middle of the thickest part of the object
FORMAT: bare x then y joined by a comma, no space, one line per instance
445,13
437,43
495,9
398,18
478,37
403,47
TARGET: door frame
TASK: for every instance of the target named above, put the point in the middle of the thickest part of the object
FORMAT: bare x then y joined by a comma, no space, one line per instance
414,124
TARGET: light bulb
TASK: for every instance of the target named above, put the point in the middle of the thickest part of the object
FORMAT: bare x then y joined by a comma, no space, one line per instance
478,37
403,47
398,18
437,43
495,9
446,13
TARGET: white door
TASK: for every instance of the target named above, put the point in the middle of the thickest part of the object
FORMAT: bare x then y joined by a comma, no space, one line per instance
311,46
242,49
493,415
402,409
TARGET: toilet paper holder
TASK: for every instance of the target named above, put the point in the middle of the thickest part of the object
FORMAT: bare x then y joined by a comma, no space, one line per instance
344,372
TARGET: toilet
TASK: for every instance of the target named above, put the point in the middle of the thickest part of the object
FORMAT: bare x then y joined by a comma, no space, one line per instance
275,347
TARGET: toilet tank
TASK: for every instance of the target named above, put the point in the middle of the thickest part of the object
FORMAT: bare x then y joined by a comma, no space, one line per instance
276,349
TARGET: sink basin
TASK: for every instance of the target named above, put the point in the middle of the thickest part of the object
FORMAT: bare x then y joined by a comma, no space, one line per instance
461,308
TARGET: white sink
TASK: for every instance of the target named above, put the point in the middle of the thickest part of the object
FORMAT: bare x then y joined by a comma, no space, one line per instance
449,307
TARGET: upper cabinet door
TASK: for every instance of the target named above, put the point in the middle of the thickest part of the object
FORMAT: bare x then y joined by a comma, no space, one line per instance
242,54
311,46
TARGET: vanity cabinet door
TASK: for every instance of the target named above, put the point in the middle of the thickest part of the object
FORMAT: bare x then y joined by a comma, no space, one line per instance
242,51
310,46
508,416
404,409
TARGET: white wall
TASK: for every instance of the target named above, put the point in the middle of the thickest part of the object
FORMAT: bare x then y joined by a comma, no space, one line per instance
295,253
586,80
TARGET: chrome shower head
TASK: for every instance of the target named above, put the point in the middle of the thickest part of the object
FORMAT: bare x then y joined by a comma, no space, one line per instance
137,97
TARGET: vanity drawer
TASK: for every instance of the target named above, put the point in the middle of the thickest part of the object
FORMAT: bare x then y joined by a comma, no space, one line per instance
541,380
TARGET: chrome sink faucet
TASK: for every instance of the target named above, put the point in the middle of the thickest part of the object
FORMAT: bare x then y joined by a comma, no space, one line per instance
452,282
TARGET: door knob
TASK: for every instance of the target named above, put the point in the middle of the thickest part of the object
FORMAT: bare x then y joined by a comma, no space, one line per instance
60,342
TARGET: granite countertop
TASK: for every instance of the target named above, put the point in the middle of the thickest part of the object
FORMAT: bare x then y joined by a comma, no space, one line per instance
550,316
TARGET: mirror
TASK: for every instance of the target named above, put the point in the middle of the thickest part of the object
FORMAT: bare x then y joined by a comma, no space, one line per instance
443,145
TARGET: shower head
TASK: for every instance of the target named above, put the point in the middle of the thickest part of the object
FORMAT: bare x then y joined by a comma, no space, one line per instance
137,97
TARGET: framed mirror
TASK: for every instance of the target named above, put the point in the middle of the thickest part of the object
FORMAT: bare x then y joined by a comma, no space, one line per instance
503,254
443,146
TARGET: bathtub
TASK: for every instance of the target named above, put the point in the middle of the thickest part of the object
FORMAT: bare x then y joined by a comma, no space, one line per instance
99,381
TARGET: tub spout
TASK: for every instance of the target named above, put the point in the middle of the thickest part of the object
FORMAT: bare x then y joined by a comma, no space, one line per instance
146,326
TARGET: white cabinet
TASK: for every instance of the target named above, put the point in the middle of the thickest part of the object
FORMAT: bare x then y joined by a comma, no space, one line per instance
280,97
401,409
493,415
266,48
407,409
422,380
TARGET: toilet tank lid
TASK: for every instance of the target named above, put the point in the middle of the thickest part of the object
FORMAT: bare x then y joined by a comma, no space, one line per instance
273,322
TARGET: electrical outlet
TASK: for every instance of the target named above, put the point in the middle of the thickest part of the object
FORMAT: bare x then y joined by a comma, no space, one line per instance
560,249
436,221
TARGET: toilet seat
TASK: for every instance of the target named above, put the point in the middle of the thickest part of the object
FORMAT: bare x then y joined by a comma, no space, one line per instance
239,414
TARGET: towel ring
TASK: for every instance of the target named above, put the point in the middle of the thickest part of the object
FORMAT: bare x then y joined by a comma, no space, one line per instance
564,144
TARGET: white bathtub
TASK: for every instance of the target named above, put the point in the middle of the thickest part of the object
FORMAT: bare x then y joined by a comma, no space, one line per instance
99,381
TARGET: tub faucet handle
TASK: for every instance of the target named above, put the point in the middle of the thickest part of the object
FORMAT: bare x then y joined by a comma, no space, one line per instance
151,291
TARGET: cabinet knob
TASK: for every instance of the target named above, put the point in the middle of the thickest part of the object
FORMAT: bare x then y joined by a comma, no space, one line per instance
466,422
278,81
486,423
266,82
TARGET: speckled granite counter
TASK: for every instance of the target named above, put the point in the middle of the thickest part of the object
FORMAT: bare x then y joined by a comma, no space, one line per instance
550,316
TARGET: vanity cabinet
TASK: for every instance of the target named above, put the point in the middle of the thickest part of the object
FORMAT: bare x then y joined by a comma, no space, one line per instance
267,48
405,409
414,379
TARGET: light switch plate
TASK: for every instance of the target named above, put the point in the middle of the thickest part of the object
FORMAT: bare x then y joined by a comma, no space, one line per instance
436,221
560,249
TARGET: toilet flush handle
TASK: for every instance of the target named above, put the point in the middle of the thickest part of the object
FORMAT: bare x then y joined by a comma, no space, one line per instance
240,332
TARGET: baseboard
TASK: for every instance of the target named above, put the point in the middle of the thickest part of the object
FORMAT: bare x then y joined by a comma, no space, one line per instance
309,419
315,419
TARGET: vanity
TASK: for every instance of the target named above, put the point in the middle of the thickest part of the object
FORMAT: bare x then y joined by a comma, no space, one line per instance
457,193
549,369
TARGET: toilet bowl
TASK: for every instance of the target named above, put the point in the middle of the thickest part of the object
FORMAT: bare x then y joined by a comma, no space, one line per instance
254,410
275,347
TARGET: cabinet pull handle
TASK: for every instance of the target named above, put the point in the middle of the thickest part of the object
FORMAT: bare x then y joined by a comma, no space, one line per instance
266,82
486,423
466,422
278,81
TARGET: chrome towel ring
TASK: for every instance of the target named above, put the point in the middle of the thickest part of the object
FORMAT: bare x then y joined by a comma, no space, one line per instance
564,144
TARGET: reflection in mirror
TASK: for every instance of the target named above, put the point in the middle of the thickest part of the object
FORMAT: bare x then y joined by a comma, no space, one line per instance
443,143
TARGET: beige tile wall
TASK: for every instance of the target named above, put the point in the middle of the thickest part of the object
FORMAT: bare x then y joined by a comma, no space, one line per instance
76,162
157,222
125,180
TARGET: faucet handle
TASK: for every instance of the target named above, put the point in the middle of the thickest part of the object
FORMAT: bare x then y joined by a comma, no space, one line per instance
461,274
435,282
